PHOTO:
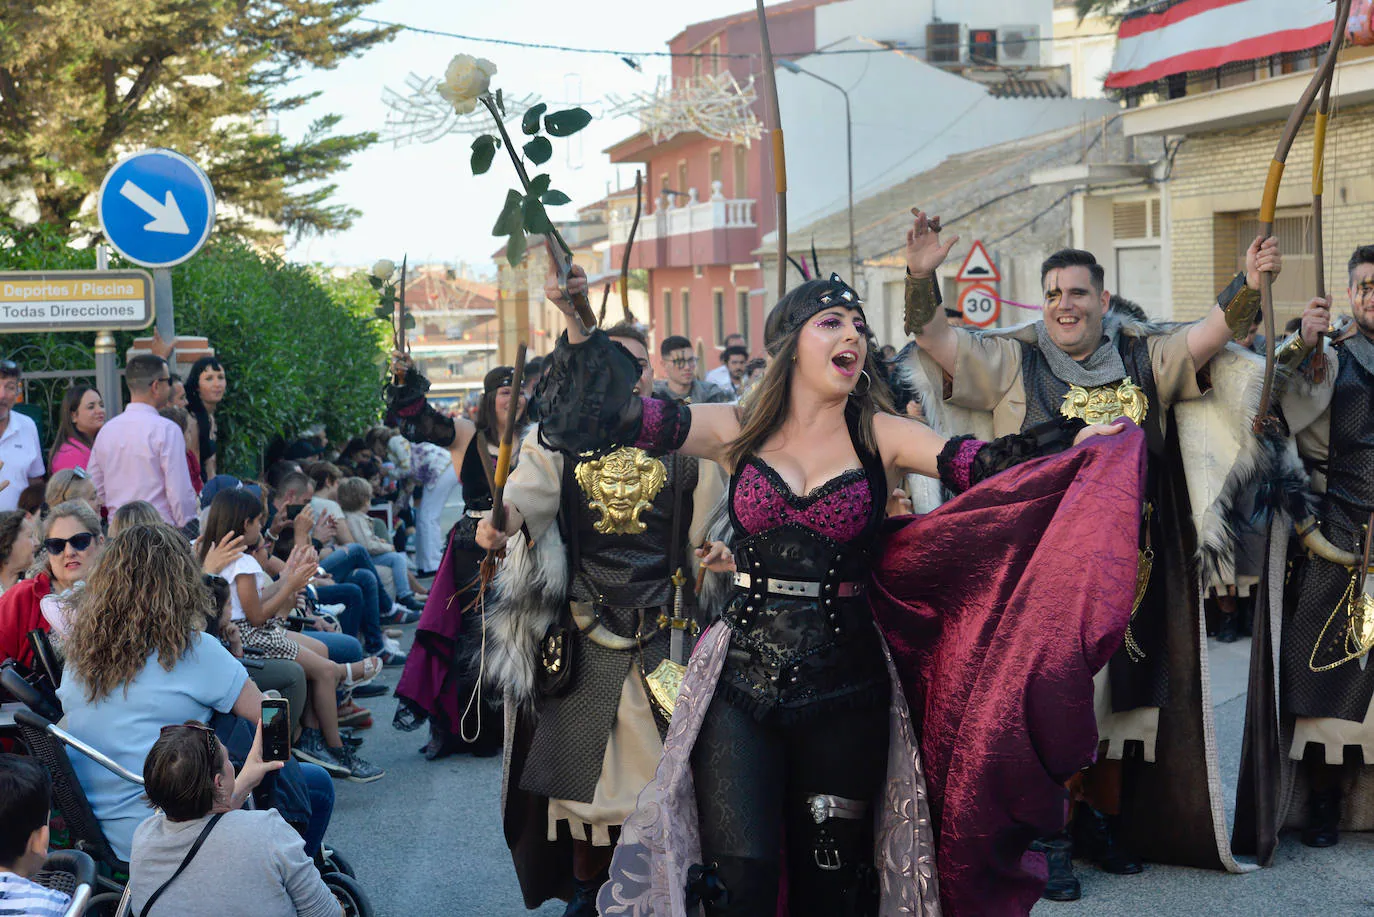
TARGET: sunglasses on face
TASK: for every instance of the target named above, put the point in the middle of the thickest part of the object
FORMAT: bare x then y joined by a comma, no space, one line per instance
684,362
79,542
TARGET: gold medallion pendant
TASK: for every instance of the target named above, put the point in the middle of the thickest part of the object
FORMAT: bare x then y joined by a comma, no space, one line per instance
621,486
1105,403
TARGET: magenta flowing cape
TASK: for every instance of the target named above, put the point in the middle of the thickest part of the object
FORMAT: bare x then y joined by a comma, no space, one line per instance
999,608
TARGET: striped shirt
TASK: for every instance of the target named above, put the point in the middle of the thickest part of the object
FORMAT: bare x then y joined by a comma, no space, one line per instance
21,898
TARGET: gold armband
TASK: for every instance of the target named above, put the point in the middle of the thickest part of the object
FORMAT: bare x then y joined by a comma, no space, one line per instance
1291,351
922,299
1240,304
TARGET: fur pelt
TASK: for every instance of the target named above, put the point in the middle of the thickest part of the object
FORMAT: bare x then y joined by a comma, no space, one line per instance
525,599
907,371
1228,460
715,587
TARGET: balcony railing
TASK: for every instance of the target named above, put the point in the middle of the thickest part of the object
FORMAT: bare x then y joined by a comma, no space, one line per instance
689,217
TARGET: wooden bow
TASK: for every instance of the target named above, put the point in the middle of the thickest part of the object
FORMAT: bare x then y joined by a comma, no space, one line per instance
770,78
625,258
1320,82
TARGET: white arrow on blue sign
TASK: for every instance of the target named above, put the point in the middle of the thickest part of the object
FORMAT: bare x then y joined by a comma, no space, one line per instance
156,208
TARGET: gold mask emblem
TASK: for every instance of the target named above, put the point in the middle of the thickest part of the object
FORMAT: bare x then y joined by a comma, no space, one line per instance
1105,403
622,485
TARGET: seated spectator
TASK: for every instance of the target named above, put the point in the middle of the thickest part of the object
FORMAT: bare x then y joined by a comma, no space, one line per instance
71,484
325,476
16,548
138,658
355,496
184,419
354,452
25,801
259,607
136,512
80,418
249,863
72,542
31,500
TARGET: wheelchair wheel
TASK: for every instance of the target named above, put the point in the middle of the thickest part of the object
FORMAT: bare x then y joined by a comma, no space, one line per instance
350,894
104,904
334,862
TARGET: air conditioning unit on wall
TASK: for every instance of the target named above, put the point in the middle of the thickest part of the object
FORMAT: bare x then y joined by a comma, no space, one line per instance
1020,46
946,43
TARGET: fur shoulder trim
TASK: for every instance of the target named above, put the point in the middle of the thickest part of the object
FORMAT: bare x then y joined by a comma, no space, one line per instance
527,598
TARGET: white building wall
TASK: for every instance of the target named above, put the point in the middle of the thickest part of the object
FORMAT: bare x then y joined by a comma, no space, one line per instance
906,20
907,117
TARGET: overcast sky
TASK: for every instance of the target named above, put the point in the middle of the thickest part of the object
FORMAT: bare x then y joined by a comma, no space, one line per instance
422,199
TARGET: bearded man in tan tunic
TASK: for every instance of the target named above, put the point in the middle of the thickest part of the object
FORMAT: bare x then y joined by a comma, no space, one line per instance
1149,791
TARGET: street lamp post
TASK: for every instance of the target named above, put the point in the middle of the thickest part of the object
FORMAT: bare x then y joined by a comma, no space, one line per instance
792,67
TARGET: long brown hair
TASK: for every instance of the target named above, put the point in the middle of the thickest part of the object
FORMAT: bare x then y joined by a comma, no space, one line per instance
144,596
764,409
230,511
66,428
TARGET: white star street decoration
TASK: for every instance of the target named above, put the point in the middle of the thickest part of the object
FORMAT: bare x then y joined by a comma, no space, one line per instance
714,105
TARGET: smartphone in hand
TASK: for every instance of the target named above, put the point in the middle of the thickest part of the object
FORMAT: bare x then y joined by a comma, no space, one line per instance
276,729
293,511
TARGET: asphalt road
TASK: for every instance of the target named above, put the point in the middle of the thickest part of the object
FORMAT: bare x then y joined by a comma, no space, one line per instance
426,840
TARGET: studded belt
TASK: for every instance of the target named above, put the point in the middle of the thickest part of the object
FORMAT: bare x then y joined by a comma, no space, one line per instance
808,589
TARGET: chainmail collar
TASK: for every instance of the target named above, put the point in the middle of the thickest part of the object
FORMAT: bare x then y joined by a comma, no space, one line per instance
1362,349
1104,366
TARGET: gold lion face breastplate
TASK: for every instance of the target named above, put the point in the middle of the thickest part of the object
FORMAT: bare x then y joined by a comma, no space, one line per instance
1105,403
621,486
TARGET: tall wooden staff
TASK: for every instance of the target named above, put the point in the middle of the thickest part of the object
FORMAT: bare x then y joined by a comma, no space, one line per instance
770,78
1264,419
503,463
401,344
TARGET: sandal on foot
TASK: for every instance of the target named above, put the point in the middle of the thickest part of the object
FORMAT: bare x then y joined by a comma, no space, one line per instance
372,667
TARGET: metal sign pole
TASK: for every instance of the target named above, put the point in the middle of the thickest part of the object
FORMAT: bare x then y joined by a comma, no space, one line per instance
162,302
106,359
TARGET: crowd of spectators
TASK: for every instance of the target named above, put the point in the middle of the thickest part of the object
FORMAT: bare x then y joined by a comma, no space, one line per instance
176,596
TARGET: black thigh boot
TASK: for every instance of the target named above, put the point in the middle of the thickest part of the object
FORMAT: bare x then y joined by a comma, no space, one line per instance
738,766
837,763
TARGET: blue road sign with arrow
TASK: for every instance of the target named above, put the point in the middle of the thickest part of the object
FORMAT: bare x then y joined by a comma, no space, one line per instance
156,208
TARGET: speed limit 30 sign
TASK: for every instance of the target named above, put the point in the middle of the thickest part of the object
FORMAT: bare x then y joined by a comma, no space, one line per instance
980,305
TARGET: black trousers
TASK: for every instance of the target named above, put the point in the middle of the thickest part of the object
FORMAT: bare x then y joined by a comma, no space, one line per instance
752,782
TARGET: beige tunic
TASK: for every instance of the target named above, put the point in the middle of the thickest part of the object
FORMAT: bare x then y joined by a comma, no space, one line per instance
987,378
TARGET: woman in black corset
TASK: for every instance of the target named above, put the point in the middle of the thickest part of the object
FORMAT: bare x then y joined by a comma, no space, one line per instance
437,683
784,721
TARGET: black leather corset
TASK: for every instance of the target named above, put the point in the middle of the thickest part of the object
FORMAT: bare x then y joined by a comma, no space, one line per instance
791,655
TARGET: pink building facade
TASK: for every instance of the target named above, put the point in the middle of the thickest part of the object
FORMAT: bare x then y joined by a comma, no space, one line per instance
709,202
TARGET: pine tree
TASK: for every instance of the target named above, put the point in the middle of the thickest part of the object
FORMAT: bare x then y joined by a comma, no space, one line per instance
83,82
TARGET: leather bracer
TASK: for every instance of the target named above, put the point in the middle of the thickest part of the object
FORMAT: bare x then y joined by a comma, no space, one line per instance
922,299
1240,304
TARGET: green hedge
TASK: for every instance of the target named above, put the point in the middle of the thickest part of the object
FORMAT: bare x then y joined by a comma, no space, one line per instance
298,348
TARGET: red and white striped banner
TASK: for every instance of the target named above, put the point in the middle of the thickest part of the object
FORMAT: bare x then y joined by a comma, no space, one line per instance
1203,34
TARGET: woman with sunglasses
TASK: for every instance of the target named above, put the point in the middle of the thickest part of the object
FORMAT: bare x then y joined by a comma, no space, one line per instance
71,543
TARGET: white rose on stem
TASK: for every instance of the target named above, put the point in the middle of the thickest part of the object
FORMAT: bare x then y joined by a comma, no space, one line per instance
383,269
465,81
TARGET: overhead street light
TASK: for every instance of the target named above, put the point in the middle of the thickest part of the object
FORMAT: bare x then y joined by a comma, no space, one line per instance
793,67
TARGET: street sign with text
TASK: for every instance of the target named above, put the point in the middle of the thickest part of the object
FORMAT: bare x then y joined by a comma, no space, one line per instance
980,305
75,300
156,208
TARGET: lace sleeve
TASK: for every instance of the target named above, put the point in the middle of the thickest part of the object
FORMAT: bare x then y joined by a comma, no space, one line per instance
664,425
586,402
965,461
409,411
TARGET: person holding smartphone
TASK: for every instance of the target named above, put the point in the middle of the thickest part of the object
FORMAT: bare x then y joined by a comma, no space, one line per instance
248,862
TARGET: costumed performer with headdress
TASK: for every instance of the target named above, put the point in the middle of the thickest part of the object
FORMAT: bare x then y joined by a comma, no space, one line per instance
440,681
792,759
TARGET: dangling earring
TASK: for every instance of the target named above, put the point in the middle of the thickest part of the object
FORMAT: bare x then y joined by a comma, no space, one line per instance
868,384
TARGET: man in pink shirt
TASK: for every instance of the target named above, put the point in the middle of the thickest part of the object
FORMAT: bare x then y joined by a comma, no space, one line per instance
140,455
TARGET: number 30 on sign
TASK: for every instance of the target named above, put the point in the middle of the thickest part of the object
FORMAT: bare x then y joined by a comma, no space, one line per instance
980,305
